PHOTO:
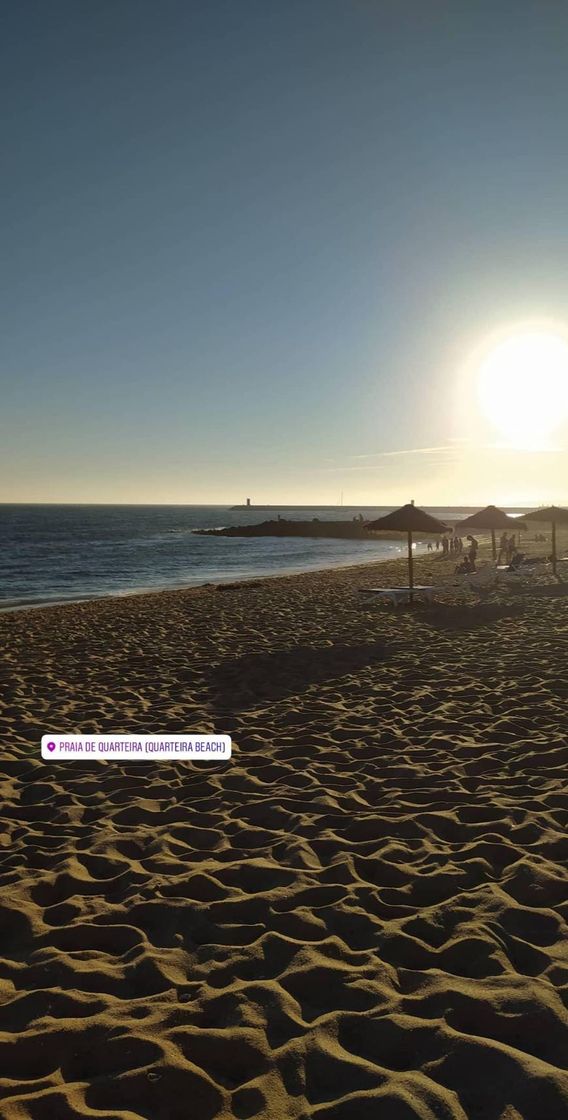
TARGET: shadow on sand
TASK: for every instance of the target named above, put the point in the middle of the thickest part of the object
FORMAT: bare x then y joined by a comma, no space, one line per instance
467,616
257,677
540,590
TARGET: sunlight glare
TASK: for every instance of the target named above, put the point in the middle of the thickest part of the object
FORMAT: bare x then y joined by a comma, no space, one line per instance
523,387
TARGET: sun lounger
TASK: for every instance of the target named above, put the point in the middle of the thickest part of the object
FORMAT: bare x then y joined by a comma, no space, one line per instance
524,573
466,583
470,583
399,595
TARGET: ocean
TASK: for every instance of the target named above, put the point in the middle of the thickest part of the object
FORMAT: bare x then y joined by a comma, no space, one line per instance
55,553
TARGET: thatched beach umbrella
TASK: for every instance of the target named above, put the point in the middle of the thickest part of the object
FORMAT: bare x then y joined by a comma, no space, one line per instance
408,519
553,515
491,518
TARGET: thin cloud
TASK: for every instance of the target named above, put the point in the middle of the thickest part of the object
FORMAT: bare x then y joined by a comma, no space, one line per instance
378,468
406,451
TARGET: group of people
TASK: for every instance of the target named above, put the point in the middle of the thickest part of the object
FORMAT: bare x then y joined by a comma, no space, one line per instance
468,563
449,546
507,549
508,552
454,546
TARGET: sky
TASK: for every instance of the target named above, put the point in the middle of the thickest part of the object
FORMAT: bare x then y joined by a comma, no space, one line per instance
253,247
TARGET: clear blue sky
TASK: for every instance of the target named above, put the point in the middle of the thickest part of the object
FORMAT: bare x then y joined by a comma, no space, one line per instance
248,241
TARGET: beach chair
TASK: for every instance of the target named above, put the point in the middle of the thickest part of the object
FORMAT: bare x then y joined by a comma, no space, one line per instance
399,595
525,573
542,569
465,584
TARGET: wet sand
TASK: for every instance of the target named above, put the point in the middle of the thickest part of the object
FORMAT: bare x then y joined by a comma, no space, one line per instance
361,916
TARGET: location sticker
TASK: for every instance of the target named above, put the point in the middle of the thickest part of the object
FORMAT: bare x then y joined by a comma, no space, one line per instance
133,748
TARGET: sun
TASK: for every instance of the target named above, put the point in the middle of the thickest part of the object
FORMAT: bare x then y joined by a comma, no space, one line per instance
522,386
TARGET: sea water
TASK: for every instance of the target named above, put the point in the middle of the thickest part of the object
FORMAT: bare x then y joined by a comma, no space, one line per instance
54,553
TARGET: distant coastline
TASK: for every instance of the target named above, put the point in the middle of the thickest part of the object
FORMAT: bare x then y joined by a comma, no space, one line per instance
342,530
348,510
275,508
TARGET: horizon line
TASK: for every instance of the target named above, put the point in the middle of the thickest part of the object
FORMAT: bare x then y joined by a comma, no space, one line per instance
274,505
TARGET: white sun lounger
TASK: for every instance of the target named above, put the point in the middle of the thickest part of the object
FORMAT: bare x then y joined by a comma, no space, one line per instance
399,595
469,583
523,574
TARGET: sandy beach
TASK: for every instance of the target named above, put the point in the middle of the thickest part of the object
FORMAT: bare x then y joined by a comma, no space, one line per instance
361,916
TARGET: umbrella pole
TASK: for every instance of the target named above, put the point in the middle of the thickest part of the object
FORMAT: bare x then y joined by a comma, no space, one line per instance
493,545
410,570
554,547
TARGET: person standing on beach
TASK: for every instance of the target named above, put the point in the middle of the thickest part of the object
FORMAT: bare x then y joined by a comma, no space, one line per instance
472,550
503,543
